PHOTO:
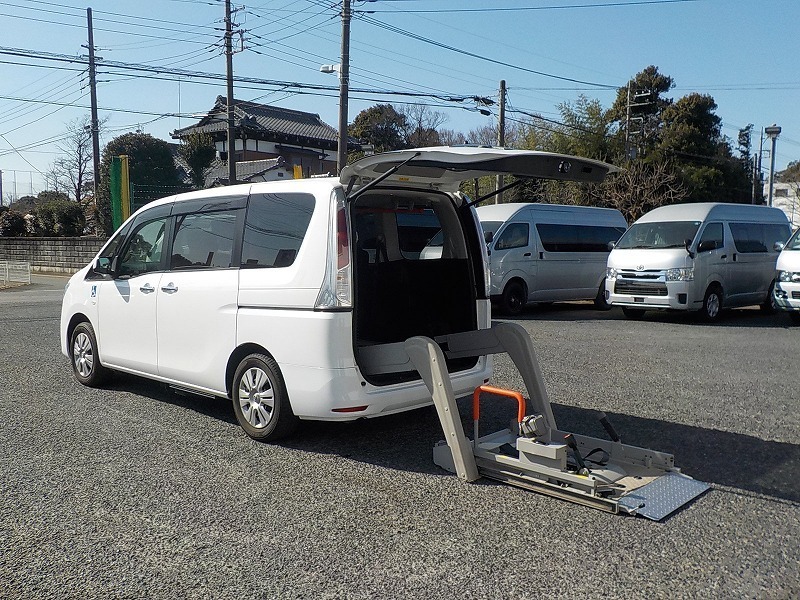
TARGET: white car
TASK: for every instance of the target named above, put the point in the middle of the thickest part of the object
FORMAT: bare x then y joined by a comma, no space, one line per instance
787,283
284,296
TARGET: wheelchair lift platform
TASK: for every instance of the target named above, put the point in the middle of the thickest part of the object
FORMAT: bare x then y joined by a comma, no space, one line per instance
533,453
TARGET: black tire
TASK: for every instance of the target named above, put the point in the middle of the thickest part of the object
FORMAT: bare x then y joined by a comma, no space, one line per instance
770,305
514,299
260,400
632,313
84,356
600,302
712,304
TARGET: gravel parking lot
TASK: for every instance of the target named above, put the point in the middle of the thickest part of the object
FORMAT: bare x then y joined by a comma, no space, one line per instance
136,492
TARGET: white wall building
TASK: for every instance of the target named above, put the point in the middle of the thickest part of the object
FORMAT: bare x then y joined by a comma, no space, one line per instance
785,197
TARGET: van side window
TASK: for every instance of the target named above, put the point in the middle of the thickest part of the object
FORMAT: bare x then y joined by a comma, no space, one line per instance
142,253
513,236
203,240
274,229
577,238
713,232
758,237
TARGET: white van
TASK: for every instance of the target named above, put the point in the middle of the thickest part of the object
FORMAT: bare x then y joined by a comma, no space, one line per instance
280,295
787,286
548,252
704,256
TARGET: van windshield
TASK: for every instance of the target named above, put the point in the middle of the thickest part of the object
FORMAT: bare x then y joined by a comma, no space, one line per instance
794,241
659,235
490,226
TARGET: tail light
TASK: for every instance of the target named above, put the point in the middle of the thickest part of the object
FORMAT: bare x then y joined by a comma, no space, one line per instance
336,292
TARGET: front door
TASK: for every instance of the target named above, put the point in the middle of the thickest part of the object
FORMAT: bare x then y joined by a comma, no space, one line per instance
126,305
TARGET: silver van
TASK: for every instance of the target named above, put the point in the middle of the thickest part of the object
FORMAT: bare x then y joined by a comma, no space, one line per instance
705,256
548,252
286,296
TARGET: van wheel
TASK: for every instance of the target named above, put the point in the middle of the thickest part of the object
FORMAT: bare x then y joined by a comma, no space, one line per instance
770,305
712,304
632,313
513,299
600,302
84,357
260,400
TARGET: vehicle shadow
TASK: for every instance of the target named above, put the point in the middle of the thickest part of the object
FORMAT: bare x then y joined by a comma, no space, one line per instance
405,442
585,311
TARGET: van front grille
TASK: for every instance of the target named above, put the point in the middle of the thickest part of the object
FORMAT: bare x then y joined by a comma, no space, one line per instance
640,288
795,295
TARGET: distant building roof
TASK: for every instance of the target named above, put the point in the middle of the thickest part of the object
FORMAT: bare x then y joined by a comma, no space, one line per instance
261,121
246,171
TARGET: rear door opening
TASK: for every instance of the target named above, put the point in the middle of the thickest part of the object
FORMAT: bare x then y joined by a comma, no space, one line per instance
401,292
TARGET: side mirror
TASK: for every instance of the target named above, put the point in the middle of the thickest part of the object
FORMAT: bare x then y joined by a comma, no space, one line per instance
778,246
103,266
707,245
687,243
488,236
611,245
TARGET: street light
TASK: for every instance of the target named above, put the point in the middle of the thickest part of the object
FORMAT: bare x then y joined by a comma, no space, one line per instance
772,132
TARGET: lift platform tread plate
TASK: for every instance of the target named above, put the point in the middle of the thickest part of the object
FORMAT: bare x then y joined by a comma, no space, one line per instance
663,496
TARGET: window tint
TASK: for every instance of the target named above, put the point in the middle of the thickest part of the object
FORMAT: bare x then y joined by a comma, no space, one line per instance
515,235
577,238
274,228
713,233
111,248
203,240
758,237
142,253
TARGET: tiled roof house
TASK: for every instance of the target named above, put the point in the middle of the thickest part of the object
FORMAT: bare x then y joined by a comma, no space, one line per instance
269,132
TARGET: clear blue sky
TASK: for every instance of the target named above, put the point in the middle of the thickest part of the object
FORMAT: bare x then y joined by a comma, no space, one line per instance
742,52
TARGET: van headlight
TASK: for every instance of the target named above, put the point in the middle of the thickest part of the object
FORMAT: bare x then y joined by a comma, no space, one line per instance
680,274
789,276
611,273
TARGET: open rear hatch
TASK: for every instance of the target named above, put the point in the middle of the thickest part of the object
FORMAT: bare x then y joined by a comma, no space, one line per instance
398,202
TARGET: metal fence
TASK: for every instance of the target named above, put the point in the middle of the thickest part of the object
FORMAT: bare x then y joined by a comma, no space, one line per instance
12,271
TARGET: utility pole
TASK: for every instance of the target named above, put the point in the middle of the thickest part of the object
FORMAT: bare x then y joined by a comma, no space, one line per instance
344,84
95,127
229,71
501,138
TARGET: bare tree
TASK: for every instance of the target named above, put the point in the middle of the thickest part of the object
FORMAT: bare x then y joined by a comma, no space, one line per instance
71,173
421,125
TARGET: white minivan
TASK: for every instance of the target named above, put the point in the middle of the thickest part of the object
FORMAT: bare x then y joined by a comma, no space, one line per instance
281,295
787,286
548,252
705,256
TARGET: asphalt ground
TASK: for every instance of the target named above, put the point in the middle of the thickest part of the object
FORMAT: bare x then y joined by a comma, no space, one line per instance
135,492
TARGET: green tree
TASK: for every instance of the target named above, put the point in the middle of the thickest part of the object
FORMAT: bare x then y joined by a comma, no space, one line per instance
790,174
57,215
150,162
12,223
380,125
198,151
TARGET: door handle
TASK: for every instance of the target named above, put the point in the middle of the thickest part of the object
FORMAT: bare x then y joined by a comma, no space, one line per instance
170,288
541,255
147,289
724,256
527,254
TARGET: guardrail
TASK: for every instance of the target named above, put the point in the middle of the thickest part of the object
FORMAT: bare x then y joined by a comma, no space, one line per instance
12,271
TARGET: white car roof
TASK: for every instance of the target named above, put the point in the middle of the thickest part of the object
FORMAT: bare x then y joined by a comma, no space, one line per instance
445,167
701,211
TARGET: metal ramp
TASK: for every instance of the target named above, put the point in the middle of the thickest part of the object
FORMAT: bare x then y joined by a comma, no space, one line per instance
534,453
